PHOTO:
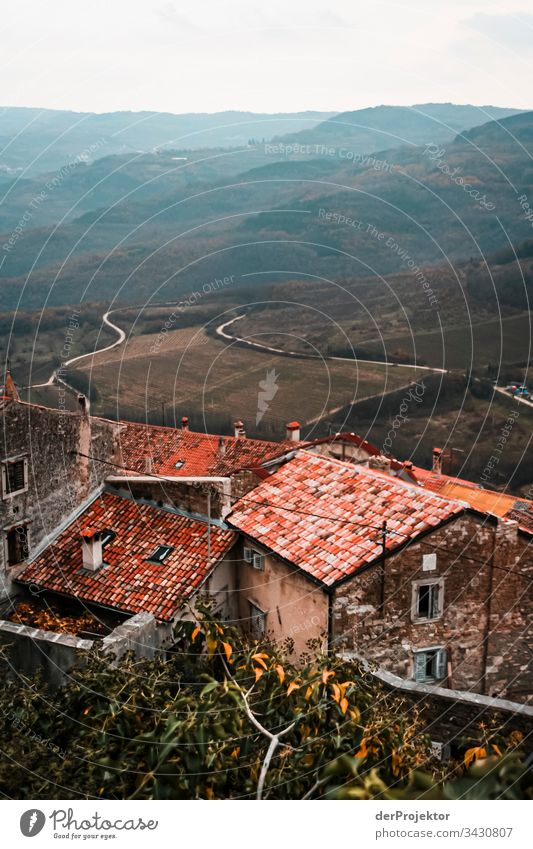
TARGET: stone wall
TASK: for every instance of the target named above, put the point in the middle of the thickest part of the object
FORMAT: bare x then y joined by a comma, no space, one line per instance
59,476
484,604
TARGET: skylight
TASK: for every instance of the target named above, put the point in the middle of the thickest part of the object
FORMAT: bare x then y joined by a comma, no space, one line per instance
160,554
179,464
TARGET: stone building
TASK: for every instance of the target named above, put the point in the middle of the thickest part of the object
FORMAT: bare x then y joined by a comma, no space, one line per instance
48,468
423,585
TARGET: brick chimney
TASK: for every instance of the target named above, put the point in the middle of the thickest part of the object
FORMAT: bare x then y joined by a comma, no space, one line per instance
148,464
293,431
437,461
91,547
184,423
238,429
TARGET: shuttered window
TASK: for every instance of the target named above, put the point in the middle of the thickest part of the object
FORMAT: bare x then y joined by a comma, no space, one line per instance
14,477
430,665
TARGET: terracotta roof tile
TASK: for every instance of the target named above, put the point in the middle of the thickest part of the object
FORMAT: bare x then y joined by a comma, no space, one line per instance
351,504
128,581
167,446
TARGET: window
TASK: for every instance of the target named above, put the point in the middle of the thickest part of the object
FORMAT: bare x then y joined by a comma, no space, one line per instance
14,477
257,621
160,554
17,545
179,464
254,557
107,537
427,600
430,665
429,562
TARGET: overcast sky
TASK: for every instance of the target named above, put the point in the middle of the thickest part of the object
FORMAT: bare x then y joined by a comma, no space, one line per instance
282,55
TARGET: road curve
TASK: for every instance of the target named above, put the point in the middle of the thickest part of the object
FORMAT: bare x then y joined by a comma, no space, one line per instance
221,331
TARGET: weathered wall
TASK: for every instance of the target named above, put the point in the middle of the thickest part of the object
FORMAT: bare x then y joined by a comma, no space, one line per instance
30,651
295,606
474,560
191,496
59,478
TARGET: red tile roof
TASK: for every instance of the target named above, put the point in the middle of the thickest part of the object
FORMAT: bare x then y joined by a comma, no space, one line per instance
127,581
166,446
325,516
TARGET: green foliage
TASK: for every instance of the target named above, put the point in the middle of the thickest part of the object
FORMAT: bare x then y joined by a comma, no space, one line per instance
221,718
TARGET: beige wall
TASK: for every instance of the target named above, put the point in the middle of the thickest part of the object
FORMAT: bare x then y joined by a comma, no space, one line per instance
295,606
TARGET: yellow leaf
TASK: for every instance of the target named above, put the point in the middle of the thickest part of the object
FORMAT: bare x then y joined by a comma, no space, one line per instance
235,753
363,751
309,692
258,672
336,692
292,686
326,675
474,754
344,705
211,647
228,650
259,659
281,673
219,629
195,634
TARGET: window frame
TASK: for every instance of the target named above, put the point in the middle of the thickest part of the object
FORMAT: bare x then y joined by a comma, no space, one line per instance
415,598
158,561
25,548
259,614
11,461
439,662
254,558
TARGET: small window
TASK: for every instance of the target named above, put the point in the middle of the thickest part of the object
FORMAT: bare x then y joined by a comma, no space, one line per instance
430,665
179,464
14,477
257,621
248,554
17,545
258,560
427,600
160,554
107,537
429,562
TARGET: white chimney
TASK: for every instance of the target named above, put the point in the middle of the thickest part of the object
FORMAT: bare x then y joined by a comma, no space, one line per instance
238,429
221,446
91,547
293,431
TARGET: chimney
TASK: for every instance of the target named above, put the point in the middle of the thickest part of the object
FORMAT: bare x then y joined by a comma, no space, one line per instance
184,423
91,547
221,446
293,431
83,401
148,464
238,429
10,390
437,461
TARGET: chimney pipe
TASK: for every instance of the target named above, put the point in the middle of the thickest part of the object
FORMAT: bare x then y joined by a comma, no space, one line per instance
185,423
293,431
437,461
83,401
238,429
221,446
148,465
91,547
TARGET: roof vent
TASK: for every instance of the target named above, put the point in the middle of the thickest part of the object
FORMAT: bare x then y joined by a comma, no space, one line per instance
238,429
221,446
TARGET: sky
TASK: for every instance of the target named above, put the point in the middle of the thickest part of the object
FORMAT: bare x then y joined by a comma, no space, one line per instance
280,56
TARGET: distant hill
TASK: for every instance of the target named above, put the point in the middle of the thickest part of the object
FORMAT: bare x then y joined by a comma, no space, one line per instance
517,128
36,140
386,127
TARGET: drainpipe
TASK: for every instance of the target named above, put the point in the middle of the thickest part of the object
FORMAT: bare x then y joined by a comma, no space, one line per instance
330,651
383,557
488,608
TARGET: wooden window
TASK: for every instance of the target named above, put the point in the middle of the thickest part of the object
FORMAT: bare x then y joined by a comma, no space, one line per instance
248,554
258,561
427,600
257,621
17,545
430,665
14,477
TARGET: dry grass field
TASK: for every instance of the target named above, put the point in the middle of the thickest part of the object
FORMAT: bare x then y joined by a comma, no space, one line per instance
196,375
